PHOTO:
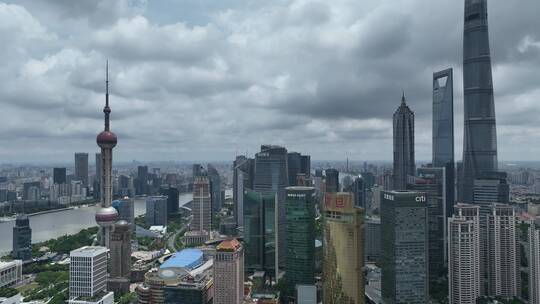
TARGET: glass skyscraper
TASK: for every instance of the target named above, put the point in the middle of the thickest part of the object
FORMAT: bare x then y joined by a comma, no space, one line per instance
300,227
260,233
480,135
431,181
271,177
404,250
443,131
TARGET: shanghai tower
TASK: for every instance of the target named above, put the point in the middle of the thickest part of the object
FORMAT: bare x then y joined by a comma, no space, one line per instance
480,136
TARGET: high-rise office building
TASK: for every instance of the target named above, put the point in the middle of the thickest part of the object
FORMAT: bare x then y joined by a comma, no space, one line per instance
215,188
464,255
59,176
404,164
300,229
173,200
81,168
229,273
126,210
22,239
404,252
271,177
142,180
156,211
331,180
31,191
443,131
534,262
480,135
98,178
243,175
372,240
294,166
87,271
431,181
359,191
106,140
502,261
260,233
120,258
202,204
305,165
343,247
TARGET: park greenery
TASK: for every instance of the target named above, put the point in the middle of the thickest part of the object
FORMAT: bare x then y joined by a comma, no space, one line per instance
7,292
128,298
52,285
66,243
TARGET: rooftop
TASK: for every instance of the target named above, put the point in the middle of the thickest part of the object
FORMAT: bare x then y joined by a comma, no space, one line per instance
88,251
187,258
229,245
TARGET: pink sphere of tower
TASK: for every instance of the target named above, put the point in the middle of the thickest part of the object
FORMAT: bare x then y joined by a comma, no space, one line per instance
107,139
106,216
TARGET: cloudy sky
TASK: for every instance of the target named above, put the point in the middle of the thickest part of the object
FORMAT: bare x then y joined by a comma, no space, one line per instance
206,79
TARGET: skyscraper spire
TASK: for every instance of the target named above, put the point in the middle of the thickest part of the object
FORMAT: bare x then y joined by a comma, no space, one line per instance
404,164
403,97
107,109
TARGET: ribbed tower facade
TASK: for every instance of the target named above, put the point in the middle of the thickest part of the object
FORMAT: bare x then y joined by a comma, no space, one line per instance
480,136
464,255
106,140
403,145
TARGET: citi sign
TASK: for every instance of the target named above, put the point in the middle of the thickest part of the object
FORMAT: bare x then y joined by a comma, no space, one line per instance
420,198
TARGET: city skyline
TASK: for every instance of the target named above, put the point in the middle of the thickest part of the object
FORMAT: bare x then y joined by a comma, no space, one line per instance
222,93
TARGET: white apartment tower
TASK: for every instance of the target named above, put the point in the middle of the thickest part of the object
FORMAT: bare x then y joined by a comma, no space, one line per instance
534,264
502,261
87,271
464,255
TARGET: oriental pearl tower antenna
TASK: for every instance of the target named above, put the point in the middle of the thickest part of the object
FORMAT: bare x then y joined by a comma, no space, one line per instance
106,140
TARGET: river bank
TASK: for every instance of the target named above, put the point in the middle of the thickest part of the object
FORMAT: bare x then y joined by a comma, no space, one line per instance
51,225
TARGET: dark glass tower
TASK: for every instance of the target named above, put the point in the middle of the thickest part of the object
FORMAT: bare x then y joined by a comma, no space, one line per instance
59,176
271,177
443,131
22,239
480,136
260,232
300,223
215,188
332,180
403,145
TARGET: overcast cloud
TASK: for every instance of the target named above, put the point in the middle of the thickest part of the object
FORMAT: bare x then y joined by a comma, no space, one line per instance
206,79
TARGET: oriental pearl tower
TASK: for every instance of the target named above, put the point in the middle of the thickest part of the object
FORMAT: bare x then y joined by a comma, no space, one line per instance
106,140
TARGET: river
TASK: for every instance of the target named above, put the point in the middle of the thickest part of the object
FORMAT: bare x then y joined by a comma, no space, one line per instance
55,224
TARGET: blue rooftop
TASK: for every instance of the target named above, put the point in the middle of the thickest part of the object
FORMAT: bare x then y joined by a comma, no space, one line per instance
186,258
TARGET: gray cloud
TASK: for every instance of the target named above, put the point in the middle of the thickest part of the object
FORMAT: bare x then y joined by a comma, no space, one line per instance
195,80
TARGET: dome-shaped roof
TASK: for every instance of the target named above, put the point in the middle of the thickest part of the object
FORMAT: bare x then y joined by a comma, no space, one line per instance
121,225
106,216
107,139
